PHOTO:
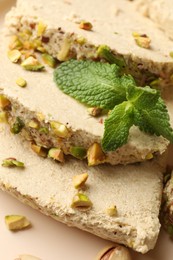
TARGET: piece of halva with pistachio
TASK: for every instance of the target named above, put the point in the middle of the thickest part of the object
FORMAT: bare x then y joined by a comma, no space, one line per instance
77,30
135,190
48,118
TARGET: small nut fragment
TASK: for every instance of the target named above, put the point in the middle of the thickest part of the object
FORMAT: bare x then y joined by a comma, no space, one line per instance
21,82
15,43
4,102
59,129
56,154
79,180
81,201
32,64
171,54
78,152
94,111
33,124
95,155
14,55
65,48
85,25
114,252
41,151
12,162
17,126
27,257
41,28
111,211
142,40
3,117
81,40
149,156
49,60
16,222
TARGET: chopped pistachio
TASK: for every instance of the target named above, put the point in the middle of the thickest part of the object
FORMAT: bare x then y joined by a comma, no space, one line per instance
114,252
49,60
65,48
33,124
21,82
3,117
94,111
43,130
78,152
111,211
17,126
14,55
27,257
59,129
81,201
142,40
85,25
81,40
95,155
41,151
105,52
15,43
41,49
12,162
40,116
4,102
149,156
56,154
32,64
16,222
79,180
41,28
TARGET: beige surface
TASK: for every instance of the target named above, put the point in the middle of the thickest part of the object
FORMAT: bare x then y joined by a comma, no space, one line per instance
50,240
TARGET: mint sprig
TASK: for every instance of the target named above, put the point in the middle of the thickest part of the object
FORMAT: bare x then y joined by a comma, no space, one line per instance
101,85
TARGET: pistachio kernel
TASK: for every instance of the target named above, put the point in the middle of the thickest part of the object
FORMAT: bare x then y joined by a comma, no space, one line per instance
4,102
78,152
41,151
111,211
81,201
113,252
32,64
94,111
149,156
33,124
21,82
142,40
59,129
49,60
12,162
95,155
14,55
65,48
43,130
56,154
79,180
41,28
85,25
81,40
16,222
17,126
15,43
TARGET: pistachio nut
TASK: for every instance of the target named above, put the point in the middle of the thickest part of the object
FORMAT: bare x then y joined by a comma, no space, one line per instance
79,180
81,201
114,252
94,111
17,126
41,27
85,25
4,102
16,222
78,152
95,155
41,151
15,43
14,55
65,48
27,257
21,82
32,64
111,211
49,60
3,117
142,40
34,123
12,162
59,129
56,154
149,156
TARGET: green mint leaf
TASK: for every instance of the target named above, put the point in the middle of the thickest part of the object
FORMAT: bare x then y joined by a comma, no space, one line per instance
154,120
92,83
117,126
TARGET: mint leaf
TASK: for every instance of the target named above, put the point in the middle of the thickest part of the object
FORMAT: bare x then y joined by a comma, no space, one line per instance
92,83
117,127
155,120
